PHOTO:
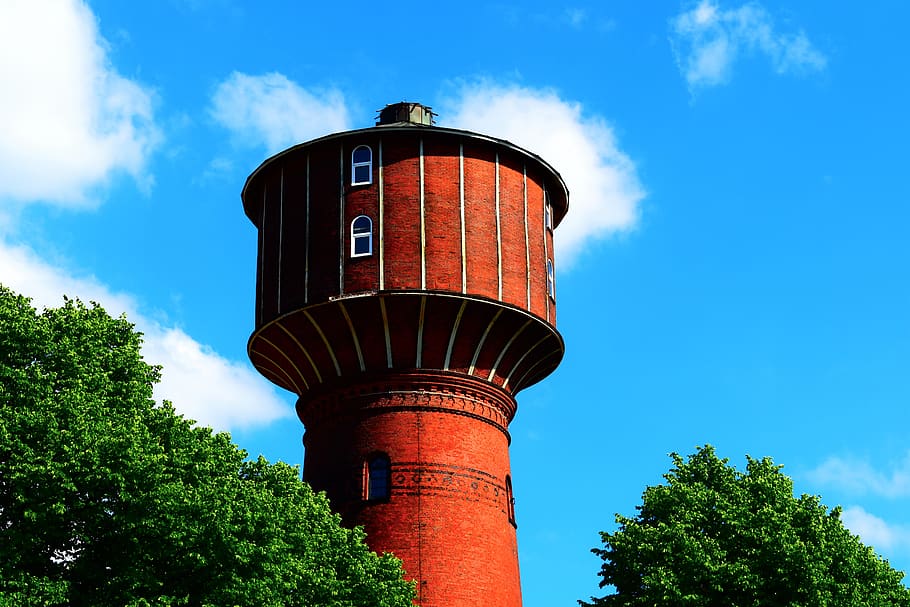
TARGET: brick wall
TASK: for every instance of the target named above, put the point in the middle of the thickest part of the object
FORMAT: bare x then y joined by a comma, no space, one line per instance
304,203
416,350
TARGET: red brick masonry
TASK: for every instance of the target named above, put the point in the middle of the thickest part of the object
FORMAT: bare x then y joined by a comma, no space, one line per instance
414,352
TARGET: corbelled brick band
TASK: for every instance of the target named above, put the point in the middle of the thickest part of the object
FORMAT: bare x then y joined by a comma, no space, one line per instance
416,390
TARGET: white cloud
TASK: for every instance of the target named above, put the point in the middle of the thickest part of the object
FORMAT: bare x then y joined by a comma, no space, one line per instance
69,120
203,386
604,190
875,531
272,111
708,40
860,477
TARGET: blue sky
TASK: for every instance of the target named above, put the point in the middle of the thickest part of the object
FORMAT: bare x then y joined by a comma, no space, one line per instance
733,270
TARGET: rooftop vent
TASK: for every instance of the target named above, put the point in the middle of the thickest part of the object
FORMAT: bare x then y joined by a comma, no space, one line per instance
412,113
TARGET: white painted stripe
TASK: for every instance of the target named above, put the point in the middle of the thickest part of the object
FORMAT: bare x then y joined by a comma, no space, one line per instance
546,251
306,236
506,349
280,234
522,359
498,231
527,239
423,309
388,337
464,264
423,233
347,317
483,338
290,360
454,333
325,340
520,383
302,349
282,379
280,368
265,192
381,223
341,227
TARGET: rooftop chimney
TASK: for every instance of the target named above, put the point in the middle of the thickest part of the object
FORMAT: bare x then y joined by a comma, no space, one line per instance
405,112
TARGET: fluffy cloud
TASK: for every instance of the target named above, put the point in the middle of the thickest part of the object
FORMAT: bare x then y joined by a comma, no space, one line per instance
875,531
860,477
204,386
69,120
707,41
603,184
272,111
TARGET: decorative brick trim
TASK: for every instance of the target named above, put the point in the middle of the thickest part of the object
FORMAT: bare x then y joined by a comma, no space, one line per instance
416,391
431,478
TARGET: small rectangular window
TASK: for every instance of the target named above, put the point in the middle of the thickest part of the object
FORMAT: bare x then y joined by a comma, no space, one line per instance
510,501
361,174
361,246
548,211
551,281
379,477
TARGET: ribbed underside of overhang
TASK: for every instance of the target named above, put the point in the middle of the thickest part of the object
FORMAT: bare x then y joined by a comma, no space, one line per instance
391,331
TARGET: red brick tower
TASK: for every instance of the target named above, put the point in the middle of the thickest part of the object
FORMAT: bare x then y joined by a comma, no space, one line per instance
405,292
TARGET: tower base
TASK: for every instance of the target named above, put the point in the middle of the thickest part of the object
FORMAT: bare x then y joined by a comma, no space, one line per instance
447,511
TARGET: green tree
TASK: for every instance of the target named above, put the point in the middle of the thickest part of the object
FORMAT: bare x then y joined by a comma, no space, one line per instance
107,499
713,535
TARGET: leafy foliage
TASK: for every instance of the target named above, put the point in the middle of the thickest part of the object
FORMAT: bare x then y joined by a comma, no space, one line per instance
109,499
716,536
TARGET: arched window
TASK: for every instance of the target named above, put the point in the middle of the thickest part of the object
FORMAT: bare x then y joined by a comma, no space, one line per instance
378,477
551,282
362,165
361,236
510,500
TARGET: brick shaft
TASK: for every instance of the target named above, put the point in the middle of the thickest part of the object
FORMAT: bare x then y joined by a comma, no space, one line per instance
448,513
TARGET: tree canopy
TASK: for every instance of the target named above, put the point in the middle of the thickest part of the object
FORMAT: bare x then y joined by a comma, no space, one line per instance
713,535
109,499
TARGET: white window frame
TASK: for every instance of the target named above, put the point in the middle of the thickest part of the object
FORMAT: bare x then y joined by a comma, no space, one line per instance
363,163
510,501
360,236
548,211
551,281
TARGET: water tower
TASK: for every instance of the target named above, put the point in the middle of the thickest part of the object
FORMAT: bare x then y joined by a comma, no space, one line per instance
405,292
